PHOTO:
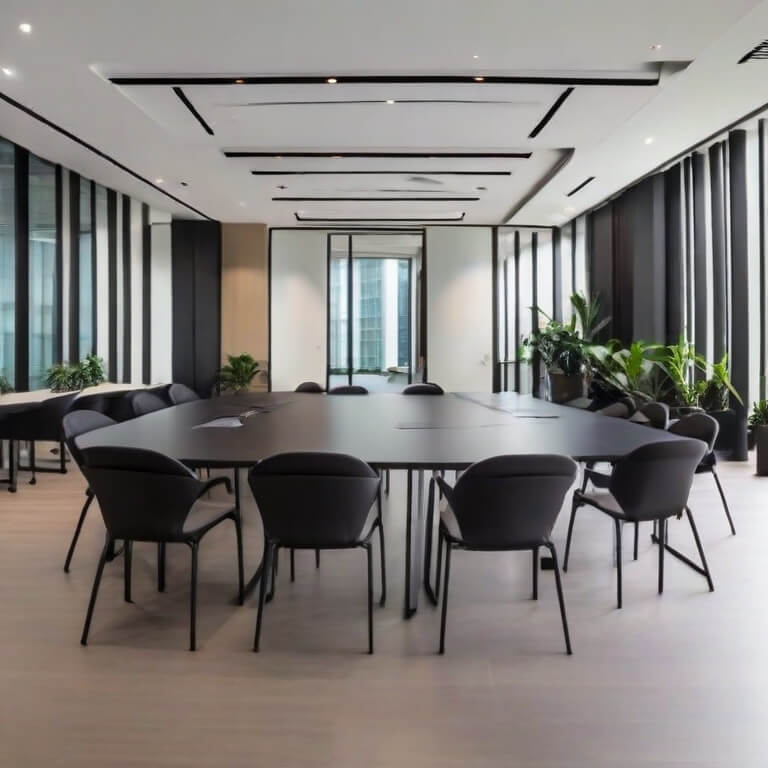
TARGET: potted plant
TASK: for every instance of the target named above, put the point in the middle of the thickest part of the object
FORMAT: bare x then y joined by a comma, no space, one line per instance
758,420
237,375
563,353
63,377
5,385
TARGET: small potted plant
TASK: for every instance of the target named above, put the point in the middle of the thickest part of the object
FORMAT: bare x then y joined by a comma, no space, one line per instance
758,420
238,374
5,385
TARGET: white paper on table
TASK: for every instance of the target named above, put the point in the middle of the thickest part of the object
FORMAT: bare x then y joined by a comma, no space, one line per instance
226,421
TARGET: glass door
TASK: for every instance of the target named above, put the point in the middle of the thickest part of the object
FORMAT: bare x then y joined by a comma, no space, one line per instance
373,310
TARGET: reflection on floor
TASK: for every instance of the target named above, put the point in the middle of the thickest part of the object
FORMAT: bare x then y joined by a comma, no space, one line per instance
680,679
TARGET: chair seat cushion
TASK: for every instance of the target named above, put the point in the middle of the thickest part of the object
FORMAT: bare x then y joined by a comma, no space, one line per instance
204,514
603,500
706,464
598,479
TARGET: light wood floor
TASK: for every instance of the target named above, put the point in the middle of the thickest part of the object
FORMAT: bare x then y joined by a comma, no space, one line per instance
676,680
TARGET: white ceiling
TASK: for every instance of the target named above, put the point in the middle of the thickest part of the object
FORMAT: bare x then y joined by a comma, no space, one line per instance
62,71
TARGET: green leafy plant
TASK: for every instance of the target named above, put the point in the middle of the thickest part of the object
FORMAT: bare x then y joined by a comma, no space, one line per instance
5,385
626,371
714,392
759,415
63,377
91,371
588,315
239,372
559,346
678,362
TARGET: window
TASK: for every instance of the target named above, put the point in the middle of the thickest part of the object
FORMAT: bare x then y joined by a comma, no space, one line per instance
85,336
42,269
7,261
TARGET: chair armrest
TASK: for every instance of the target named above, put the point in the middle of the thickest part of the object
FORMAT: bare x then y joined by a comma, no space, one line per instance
207,486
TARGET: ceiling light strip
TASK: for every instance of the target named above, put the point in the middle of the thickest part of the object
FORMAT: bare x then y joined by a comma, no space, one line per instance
278,154
550,113
459,217
375,199
191,107
381,172
581,186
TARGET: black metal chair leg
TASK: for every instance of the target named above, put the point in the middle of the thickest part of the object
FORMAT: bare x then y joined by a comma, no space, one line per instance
725,503
273,573
13,464
637,535
438,569
266,568
240,563
535,559
704,565
662,543
94,593
445,596
370,597
193,545
127,563
574,507
383,554
317,558
78,528
617,526
386,487
161,566
33,481
293,565
561,599
428,536
63,457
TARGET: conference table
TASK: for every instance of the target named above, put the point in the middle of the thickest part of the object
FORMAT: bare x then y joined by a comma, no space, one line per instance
417,433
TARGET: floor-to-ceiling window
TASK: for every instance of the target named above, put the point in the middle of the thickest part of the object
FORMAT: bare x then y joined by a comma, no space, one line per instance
42,269
371,312
7,261
85,334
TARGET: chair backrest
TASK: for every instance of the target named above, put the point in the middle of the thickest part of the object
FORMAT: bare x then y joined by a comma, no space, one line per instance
348,389
510,502
700,426
618,410
77,423
427,388
657,414
313,499
654,480
143,495
146,402
41,421
181,393
309,386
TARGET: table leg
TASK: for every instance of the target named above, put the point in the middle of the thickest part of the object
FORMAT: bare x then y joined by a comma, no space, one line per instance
414,541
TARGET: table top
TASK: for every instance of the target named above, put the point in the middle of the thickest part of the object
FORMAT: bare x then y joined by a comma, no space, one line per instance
40,395
386,430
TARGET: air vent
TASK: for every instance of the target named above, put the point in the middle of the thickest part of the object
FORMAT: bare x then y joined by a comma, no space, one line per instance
760,51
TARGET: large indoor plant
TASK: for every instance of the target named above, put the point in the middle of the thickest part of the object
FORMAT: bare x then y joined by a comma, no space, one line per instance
563,353
63,377
758,420
238,374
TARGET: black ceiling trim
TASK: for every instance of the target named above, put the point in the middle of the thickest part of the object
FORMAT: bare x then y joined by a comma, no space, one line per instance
550,113
342,102
581,186
103,155
760,51
382,172
645,80
375,199
364,219
191,107
276,153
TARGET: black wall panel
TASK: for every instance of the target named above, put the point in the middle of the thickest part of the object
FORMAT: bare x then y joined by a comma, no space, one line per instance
126,288
701,290
146,295
675,254
22,268
74,268
112,266
600,255
719,285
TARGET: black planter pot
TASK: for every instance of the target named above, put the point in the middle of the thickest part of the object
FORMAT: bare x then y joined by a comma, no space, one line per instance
561,388
761,441
751,439
733,434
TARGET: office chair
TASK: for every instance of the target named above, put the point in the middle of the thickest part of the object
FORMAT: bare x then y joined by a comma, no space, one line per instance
309,386
143,403
348,389
181,393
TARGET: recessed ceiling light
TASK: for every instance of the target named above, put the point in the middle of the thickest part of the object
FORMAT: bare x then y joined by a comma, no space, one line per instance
184,183
649,139
475,56
7,71
335,157
25,27
281,186
656,47
278,157
239,81
331,80
479,79
390,101
481,189
159,181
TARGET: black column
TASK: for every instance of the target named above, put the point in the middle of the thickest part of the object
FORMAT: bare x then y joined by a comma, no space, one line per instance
126,289
719,295
496,373
559,311
675,277
74,268
740,325
603,263
112,292
59,345
146,296
701,288
21,166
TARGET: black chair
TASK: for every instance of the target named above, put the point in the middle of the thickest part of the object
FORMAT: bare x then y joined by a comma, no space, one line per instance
181,393
309,386
76,423
427,388
143,402
146,496
651,484
348,389
317,501
506,503
657,414
702,426
39,422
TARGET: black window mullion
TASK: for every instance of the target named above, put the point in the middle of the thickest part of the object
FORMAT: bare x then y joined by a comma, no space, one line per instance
74,267
22,269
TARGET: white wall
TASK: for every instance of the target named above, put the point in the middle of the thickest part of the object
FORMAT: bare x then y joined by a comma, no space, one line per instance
298,307
459,308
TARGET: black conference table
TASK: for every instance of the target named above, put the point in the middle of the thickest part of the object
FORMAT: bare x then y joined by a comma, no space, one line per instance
417,433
